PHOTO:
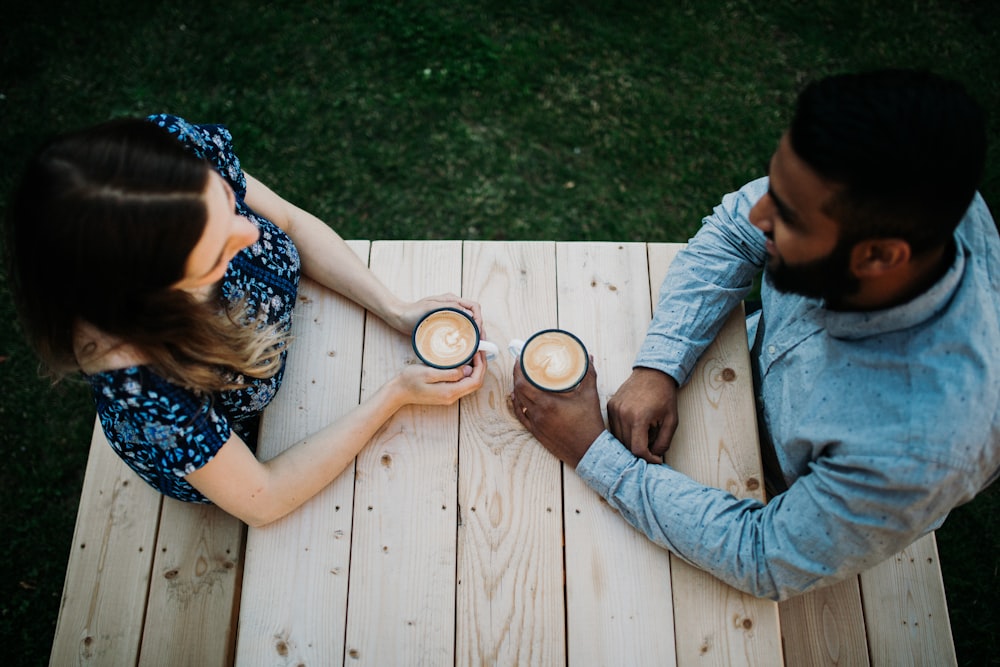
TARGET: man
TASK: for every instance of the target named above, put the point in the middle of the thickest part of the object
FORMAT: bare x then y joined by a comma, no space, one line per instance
874,353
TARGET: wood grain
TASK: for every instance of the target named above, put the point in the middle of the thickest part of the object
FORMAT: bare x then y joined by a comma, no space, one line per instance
905,609
294,604
618,588
716,444
404,555
107,578
825,627
510,606
194,592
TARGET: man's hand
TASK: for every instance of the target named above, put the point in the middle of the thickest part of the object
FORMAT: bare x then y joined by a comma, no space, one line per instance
566,423
643,413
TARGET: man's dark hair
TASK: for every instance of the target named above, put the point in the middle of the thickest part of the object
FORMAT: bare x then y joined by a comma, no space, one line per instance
907,147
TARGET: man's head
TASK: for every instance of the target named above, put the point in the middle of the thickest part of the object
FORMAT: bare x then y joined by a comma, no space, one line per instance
880,164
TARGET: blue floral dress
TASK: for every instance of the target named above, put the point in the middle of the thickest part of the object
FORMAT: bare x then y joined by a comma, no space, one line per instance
164,431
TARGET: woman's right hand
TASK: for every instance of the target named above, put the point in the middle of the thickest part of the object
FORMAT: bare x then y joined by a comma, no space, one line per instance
423,385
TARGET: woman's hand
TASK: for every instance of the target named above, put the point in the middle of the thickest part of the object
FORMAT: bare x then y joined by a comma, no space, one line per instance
261,492
408,314
423,385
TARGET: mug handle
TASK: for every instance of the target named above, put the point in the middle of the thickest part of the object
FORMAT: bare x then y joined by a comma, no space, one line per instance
514,347
490,349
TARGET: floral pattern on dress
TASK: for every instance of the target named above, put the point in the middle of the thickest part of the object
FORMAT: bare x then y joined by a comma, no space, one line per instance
165,432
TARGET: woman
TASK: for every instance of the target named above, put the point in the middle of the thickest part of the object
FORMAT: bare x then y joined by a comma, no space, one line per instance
142,255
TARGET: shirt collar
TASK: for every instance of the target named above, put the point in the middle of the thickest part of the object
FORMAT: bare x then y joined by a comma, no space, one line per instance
853,325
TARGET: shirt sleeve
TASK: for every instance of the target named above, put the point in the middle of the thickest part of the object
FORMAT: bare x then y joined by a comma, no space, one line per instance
840,519
704,283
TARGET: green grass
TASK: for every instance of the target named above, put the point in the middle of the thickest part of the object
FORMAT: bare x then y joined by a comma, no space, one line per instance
479,119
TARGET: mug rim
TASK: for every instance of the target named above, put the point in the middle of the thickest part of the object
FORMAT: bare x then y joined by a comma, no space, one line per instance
586,359
445,367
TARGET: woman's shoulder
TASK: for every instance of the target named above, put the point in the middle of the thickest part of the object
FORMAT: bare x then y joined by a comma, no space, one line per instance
99,352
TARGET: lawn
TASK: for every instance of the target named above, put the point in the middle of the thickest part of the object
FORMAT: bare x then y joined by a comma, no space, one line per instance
478,119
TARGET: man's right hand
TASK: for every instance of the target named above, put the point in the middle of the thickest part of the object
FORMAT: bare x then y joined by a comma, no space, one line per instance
643,413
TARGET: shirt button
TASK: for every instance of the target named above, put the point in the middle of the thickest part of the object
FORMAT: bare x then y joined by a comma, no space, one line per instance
771,349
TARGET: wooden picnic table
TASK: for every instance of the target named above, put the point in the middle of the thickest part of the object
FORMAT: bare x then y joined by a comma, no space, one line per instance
455,538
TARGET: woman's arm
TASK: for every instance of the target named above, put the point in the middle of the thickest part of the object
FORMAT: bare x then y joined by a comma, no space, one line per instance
327,259
261,492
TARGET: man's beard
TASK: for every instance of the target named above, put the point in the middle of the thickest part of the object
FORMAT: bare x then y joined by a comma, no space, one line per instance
827,278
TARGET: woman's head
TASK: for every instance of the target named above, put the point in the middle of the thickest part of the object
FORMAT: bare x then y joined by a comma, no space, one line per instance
120,227
104,218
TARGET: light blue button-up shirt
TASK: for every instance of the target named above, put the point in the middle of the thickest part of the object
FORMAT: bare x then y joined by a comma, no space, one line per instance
882,422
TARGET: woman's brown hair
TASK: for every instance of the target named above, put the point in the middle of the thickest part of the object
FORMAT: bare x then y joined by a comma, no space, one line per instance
99,230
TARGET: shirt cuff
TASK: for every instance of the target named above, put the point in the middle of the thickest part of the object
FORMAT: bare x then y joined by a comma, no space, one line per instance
665,355
602,466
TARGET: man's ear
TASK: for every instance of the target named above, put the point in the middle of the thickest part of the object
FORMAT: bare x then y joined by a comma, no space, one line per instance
873,258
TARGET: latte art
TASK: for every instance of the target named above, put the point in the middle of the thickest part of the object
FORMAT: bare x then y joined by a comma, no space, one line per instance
446,339
554,360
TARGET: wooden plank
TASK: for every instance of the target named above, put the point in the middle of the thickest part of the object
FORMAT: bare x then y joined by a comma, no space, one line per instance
716,444
403,563
194,592
825,626
510,607
618,585
295,585
906,610
107,578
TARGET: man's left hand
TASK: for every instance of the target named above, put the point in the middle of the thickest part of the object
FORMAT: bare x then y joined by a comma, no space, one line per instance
566,423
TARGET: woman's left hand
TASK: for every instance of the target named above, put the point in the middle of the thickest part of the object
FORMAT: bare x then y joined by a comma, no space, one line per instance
410,313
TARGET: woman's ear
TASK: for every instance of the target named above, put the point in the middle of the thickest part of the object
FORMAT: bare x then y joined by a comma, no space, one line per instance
874,258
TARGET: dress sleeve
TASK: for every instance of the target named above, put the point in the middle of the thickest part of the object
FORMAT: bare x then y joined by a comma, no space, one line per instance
209,142
162,431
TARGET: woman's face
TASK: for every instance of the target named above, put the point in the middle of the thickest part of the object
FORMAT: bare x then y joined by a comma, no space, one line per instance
225,234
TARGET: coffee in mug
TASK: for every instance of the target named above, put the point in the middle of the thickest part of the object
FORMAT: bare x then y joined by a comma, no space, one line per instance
553,359
449,338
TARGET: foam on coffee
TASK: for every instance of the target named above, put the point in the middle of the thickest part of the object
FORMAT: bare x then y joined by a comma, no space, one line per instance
554,360
446,338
